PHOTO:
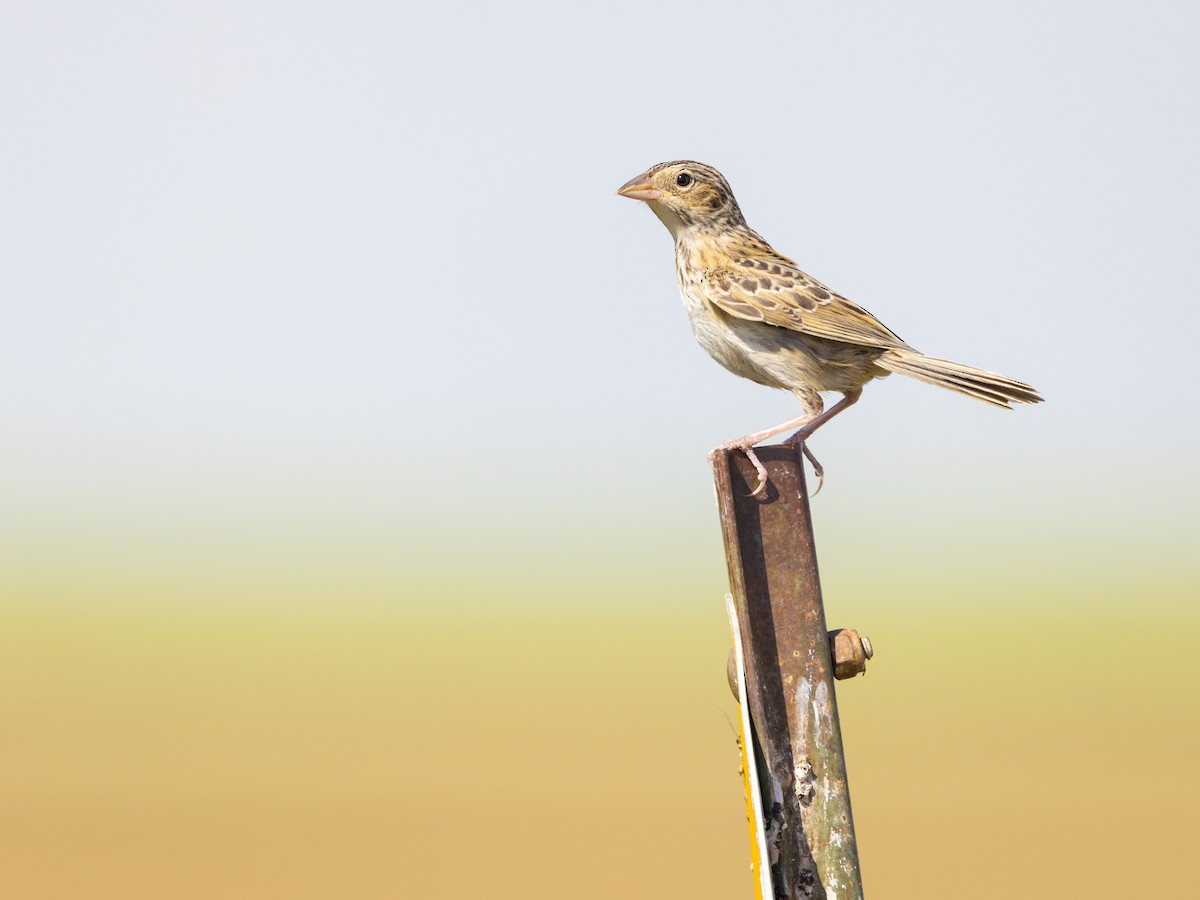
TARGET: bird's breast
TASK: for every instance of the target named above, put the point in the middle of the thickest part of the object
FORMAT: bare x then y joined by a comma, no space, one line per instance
722,342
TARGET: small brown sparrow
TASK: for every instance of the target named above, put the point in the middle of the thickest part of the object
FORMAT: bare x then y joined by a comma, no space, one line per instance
760,317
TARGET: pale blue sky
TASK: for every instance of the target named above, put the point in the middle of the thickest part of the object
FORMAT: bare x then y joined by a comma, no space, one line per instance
358,268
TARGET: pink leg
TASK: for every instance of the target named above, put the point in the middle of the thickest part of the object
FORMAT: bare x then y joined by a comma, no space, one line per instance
848,400
746,444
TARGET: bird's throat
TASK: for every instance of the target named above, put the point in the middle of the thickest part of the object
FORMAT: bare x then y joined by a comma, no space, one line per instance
670,218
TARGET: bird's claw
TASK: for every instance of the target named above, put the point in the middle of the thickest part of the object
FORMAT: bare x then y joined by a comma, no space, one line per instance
818,469
754,461
760,468
800,437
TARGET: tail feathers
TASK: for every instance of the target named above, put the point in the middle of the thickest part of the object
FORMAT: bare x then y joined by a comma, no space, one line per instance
978,383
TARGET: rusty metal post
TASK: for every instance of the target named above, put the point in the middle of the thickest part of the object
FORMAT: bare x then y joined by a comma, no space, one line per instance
789,674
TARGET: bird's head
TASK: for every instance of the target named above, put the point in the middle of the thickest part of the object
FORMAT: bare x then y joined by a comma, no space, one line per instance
686,195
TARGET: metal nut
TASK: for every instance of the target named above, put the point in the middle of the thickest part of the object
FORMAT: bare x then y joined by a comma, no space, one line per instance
850,652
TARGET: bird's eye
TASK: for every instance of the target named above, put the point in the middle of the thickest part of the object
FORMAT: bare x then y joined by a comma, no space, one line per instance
683,179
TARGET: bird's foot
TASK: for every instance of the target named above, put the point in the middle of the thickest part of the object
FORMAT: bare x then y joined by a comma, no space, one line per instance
748,449
800,437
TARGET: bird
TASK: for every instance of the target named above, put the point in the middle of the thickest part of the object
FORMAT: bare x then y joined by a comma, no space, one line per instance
757,314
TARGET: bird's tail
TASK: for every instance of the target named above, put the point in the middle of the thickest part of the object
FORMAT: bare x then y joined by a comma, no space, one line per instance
978,383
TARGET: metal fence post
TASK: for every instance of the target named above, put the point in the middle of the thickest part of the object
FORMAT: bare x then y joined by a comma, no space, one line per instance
789,673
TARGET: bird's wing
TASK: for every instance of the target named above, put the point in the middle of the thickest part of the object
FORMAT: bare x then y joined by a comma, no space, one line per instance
774,291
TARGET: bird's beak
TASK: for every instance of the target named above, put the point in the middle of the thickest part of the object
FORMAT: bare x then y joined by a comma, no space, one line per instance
640,188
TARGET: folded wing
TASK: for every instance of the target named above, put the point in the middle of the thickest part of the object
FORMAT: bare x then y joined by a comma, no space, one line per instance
773,291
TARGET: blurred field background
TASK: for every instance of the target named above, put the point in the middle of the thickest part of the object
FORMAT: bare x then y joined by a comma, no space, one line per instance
369,753
356,538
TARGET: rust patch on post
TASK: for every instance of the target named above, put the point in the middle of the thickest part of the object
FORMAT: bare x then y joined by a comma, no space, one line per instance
773,577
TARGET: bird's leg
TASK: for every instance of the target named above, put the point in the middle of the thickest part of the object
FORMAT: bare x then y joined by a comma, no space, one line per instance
747,442
848,400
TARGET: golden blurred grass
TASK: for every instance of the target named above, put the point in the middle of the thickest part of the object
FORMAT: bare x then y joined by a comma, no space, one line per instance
311,752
